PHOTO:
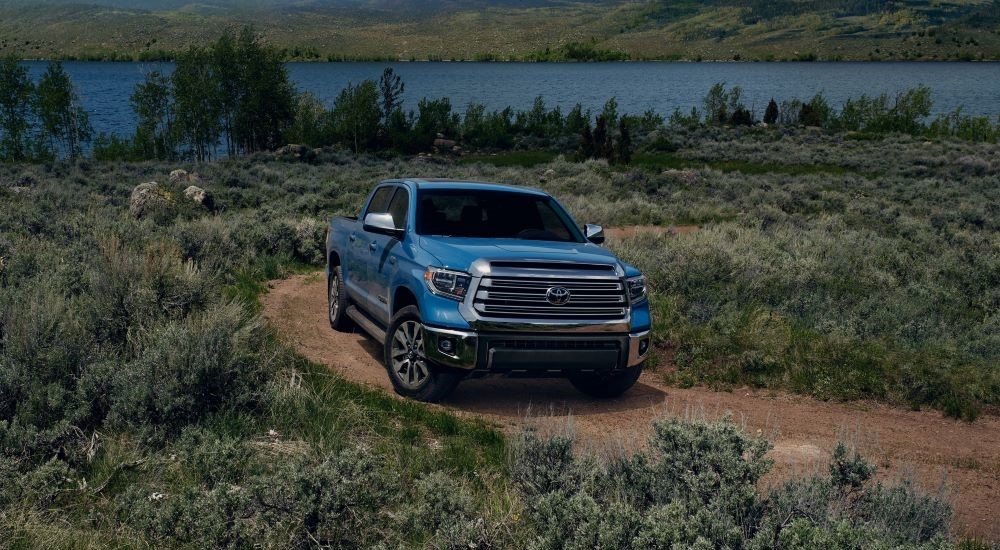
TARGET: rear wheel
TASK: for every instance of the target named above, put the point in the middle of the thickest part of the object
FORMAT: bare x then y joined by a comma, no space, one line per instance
411,373
608,384
337,300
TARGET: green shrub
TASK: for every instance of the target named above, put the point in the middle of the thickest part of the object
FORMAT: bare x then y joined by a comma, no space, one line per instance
696,487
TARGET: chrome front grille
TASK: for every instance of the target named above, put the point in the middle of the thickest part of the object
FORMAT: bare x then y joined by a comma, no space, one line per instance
538,298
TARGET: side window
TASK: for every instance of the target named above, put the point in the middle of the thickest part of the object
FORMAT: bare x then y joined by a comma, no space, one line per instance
380,201
399,206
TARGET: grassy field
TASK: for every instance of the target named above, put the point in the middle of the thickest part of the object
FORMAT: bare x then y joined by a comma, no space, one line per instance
717,30
144,402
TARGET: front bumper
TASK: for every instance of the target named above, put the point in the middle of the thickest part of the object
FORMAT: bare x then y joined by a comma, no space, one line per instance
538,353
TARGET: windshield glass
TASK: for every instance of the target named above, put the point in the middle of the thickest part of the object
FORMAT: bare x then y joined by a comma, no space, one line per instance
493,214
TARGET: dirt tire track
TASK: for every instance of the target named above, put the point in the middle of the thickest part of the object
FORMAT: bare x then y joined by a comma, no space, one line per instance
961,457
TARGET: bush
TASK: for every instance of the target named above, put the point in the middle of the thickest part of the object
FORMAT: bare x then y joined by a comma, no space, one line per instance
697,487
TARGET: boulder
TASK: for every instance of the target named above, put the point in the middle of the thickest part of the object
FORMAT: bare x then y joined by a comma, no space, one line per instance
179,175
293,152
149,199
198,195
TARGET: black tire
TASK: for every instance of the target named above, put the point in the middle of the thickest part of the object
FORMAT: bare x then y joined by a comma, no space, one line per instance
337,301
411,373
607,385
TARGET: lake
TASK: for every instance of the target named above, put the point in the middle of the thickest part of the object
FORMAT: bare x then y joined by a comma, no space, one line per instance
105,87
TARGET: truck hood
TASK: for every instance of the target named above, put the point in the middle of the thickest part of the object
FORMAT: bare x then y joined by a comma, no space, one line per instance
459,253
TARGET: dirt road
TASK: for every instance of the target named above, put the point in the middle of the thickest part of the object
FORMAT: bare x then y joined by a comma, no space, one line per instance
961,458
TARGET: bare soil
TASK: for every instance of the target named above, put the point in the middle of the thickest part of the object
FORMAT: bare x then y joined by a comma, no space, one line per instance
959,459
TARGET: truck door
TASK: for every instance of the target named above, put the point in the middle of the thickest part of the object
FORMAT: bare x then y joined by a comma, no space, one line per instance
358,273
385,252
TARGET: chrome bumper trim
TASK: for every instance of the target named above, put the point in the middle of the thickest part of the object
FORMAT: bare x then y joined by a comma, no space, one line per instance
634,357
466,347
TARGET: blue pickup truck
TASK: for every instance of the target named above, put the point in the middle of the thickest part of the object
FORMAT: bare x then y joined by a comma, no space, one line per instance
460,279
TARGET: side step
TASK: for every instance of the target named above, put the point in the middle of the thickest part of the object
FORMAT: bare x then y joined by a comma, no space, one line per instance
365,323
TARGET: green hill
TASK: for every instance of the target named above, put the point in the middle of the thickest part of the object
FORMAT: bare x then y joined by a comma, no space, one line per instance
515,29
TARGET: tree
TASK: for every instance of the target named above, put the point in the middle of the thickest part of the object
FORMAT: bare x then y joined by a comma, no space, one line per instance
391,88
533,122
197,104
576,119
610,112
623,147
587,148
308,126
16,110
226,67
154,133
64,123
602,139
716,104
816,112
771,113
356,115
741,117
265,104
434,116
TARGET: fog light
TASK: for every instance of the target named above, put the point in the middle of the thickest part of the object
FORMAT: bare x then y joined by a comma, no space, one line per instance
446,345
643,346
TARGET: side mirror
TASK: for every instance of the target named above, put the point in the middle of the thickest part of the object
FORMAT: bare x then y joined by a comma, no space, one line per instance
594,233
383,224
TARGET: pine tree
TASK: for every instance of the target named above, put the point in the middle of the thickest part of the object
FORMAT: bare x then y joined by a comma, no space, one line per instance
391,88
771,113
603,147
623,147
586,150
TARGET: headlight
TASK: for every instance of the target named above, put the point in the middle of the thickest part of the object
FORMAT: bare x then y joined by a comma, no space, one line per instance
636,288
447,283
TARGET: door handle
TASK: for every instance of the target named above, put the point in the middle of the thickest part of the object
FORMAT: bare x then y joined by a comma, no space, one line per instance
352,237
373,246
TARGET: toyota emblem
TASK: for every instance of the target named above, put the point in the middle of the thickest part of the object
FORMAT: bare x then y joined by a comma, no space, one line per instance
557,295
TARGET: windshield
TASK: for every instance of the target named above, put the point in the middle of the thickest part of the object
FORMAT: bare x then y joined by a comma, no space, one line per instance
493,214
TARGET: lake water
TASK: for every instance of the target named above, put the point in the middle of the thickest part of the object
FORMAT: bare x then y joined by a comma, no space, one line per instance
105,88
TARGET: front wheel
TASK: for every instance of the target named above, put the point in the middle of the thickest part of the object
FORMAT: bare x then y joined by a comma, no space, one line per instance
411,373
607,384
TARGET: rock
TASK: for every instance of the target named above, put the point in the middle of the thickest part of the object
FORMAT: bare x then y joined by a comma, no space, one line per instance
148,199
444,143
546,175
198,195
178,175
293,152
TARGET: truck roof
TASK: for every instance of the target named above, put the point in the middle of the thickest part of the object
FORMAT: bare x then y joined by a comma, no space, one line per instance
442,183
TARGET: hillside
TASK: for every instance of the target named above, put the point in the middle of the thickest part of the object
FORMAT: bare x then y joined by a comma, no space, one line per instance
515,29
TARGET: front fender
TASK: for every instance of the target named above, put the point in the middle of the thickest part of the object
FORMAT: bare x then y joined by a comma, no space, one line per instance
435,310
